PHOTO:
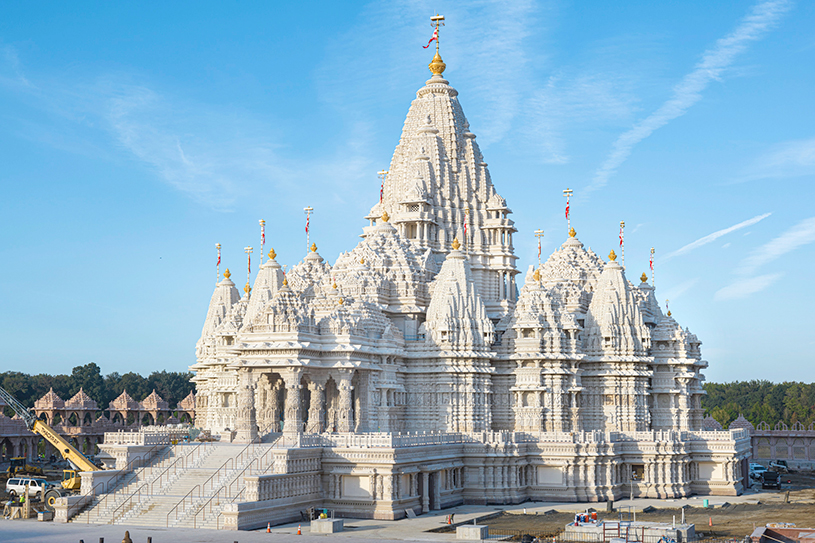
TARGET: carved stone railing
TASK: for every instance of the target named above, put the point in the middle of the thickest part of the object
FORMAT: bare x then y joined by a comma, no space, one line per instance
290,485
149,436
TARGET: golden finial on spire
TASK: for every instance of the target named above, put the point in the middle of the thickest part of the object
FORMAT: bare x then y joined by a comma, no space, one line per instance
436,65
385,216
313,247
227,275
572,233
334,285
644,278
247,289
341,301
272,254
612,256
456,244
537,276
285,281
362,261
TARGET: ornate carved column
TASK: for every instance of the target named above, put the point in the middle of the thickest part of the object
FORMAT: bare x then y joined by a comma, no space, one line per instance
345,414
293,421
316,409
425,492
246,418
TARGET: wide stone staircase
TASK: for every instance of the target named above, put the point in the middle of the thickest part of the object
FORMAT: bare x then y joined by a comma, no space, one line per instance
157,473
193,495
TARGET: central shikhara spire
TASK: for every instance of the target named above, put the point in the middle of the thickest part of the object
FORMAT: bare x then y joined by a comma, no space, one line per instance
421,326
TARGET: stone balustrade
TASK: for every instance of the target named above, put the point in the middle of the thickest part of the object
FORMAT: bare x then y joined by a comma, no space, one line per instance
148,436
279,486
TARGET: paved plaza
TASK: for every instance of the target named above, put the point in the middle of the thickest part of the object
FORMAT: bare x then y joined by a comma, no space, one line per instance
416,529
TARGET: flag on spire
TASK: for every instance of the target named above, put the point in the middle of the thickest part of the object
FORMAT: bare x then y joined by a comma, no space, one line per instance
621,235
651,262
434,38
308,217
567,209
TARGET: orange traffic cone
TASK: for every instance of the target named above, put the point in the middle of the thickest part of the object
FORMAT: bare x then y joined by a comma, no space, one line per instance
298,530
710,521
268,527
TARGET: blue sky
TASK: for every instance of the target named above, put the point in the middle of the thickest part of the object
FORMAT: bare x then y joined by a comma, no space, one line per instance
135,137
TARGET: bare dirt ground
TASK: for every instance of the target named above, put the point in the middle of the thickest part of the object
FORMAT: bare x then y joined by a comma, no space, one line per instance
732,521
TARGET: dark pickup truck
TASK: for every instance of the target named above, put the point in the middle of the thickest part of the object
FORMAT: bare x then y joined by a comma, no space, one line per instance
771,479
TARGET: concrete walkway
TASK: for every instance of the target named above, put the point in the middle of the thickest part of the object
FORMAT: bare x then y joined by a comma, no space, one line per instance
357,530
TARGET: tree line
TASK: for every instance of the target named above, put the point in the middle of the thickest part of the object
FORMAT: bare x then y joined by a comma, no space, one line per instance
170,385
760,401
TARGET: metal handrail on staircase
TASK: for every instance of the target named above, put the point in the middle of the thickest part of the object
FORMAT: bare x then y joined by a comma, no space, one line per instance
183,500
174,466
228,487
128,500
129,467
218,473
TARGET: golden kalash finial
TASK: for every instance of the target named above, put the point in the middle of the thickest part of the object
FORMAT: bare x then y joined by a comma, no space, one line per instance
385,217
362,261
612,256
334,285
572,233
537,276
313,247
341,301
456,244
247,289
644,278
272,254
227,275
436,65
285,281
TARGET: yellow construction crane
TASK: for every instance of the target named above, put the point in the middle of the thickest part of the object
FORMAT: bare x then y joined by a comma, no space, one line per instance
71,479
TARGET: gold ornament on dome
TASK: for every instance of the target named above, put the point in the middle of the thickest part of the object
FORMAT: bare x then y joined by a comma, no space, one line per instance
334,285
272,254
437,65
313,247
669,312
537,276
385,216
227,275
247,289
362,261
644,278
285,281
572,233
612,256
341,301
456,244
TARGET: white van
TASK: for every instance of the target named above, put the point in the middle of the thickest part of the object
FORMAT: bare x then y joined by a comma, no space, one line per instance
36,487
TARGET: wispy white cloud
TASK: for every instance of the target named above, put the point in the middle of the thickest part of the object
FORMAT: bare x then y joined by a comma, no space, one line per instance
802,233
676,291
565,102
745,287
688,92
714,236
788,159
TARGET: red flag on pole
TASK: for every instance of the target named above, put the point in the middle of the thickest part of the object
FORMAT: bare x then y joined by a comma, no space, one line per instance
651,262
621,236
539,249
434,38
567,209
307,220
219,258
249,263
